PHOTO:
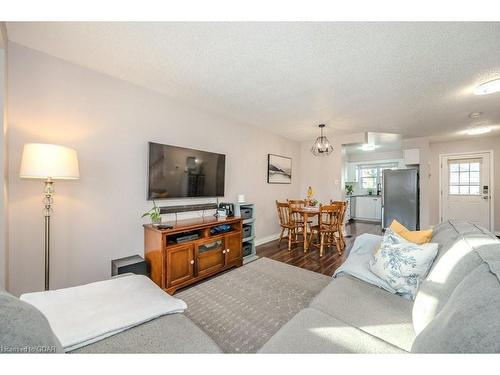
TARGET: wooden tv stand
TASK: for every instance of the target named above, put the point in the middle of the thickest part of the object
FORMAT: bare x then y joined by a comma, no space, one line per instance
175,265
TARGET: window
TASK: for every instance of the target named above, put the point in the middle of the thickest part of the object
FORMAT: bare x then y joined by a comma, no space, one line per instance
370,175
465,177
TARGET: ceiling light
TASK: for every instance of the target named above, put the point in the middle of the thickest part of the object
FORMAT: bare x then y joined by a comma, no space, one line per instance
322,145
368,147
478,130
475,115
489,87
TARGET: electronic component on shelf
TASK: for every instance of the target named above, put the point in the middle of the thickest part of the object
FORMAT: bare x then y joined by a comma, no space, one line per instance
220,229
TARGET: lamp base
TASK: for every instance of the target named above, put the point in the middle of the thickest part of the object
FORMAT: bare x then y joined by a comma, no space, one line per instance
47,201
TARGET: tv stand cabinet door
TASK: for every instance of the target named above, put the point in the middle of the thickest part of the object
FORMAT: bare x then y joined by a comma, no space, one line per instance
180,264
233,249
210,256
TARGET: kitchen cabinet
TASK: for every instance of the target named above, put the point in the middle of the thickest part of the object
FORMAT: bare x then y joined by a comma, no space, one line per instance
348,211
411,156
368,208
351,174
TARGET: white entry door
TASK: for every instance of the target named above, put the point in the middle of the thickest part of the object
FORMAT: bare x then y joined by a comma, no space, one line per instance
465,188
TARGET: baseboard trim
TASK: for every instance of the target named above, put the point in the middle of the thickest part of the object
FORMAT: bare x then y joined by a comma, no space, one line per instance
263,240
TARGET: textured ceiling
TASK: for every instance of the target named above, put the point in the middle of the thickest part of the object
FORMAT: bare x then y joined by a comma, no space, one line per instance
409,78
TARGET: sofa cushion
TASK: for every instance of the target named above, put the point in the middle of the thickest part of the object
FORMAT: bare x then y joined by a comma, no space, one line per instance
371,309
469,322
415,236
312,331
444,233
402,264
454,262
173,333
24,329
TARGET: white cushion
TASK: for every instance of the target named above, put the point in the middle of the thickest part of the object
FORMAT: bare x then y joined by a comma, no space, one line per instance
403,264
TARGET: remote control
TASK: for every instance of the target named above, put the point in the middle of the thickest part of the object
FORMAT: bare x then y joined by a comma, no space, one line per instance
163,227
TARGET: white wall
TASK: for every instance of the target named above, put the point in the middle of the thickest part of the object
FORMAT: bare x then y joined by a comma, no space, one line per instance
325,173
3,158
474,144
109,123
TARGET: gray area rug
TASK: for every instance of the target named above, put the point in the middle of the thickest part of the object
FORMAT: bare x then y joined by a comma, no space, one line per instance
243,308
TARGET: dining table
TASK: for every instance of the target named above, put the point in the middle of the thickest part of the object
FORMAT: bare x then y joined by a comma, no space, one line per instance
306,212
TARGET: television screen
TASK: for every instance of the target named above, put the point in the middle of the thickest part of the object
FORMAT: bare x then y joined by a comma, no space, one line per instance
177,172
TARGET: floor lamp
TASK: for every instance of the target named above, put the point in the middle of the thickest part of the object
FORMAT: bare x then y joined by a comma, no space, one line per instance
48,162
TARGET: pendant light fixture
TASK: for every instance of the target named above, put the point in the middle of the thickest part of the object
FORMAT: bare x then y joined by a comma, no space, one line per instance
322,146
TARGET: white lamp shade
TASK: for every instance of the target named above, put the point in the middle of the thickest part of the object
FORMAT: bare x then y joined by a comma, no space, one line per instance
49,161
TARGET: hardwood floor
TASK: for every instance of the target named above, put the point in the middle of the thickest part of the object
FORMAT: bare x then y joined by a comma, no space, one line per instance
330,261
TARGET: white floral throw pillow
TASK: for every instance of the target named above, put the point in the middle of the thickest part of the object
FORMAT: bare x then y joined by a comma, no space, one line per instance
402,264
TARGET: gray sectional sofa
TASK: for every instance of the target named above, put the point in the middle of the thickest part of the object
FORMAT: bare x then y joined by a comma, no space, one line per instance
456,310
24,329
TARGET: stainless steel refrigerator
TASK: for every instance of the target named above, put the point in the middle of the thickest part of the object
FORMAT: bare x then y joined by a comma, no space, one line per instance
400,197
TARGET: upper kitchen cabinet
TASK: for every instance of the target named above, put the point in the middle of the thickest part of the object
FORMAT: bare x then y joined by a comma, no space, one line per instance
351,172
411,156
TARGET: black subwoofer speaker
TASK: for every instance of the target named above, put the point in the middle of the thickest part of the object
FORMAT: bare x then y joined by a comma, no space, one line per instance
132,264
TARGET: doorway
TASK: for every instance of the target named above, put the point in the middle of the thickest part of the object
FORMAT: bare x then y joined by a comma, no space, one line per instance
466,187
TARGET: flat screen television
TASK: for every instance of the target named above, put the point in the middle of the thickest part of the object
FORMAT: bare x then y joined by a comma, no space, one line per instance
178,172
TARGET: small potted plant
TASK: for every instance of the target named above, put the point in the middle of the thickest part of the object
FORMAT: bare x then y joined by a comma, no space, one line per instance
348,189
370,191
154,214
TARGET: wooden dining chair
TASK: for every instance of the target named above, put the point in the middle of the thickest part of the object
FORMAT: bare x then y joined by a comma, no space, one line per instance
329,228
300,203
288,223
342,225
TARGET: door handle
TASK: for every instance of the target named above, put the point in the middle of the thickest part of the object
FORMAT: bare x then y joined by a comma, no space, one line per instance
223,251
227,251
192,261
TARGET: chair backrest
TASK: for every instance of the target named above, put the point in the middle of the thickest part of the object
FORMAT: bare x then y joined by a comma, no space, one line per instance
283,212
330,216
344,208
297,202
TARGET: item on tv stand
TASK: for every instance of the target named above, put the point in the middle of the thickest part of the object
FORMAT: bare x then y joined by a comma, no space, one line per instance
221,212
163,227
132,264
241,198
187,208
220,229
228,207
187,237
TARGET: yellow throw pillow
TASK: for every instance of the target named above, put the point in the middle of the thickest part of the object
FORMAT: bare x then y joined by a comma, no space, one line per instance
418,236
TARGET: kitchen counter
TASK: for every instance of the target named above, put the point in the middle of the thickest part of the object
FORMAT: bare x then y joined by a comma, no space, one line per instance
366,207
363,195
